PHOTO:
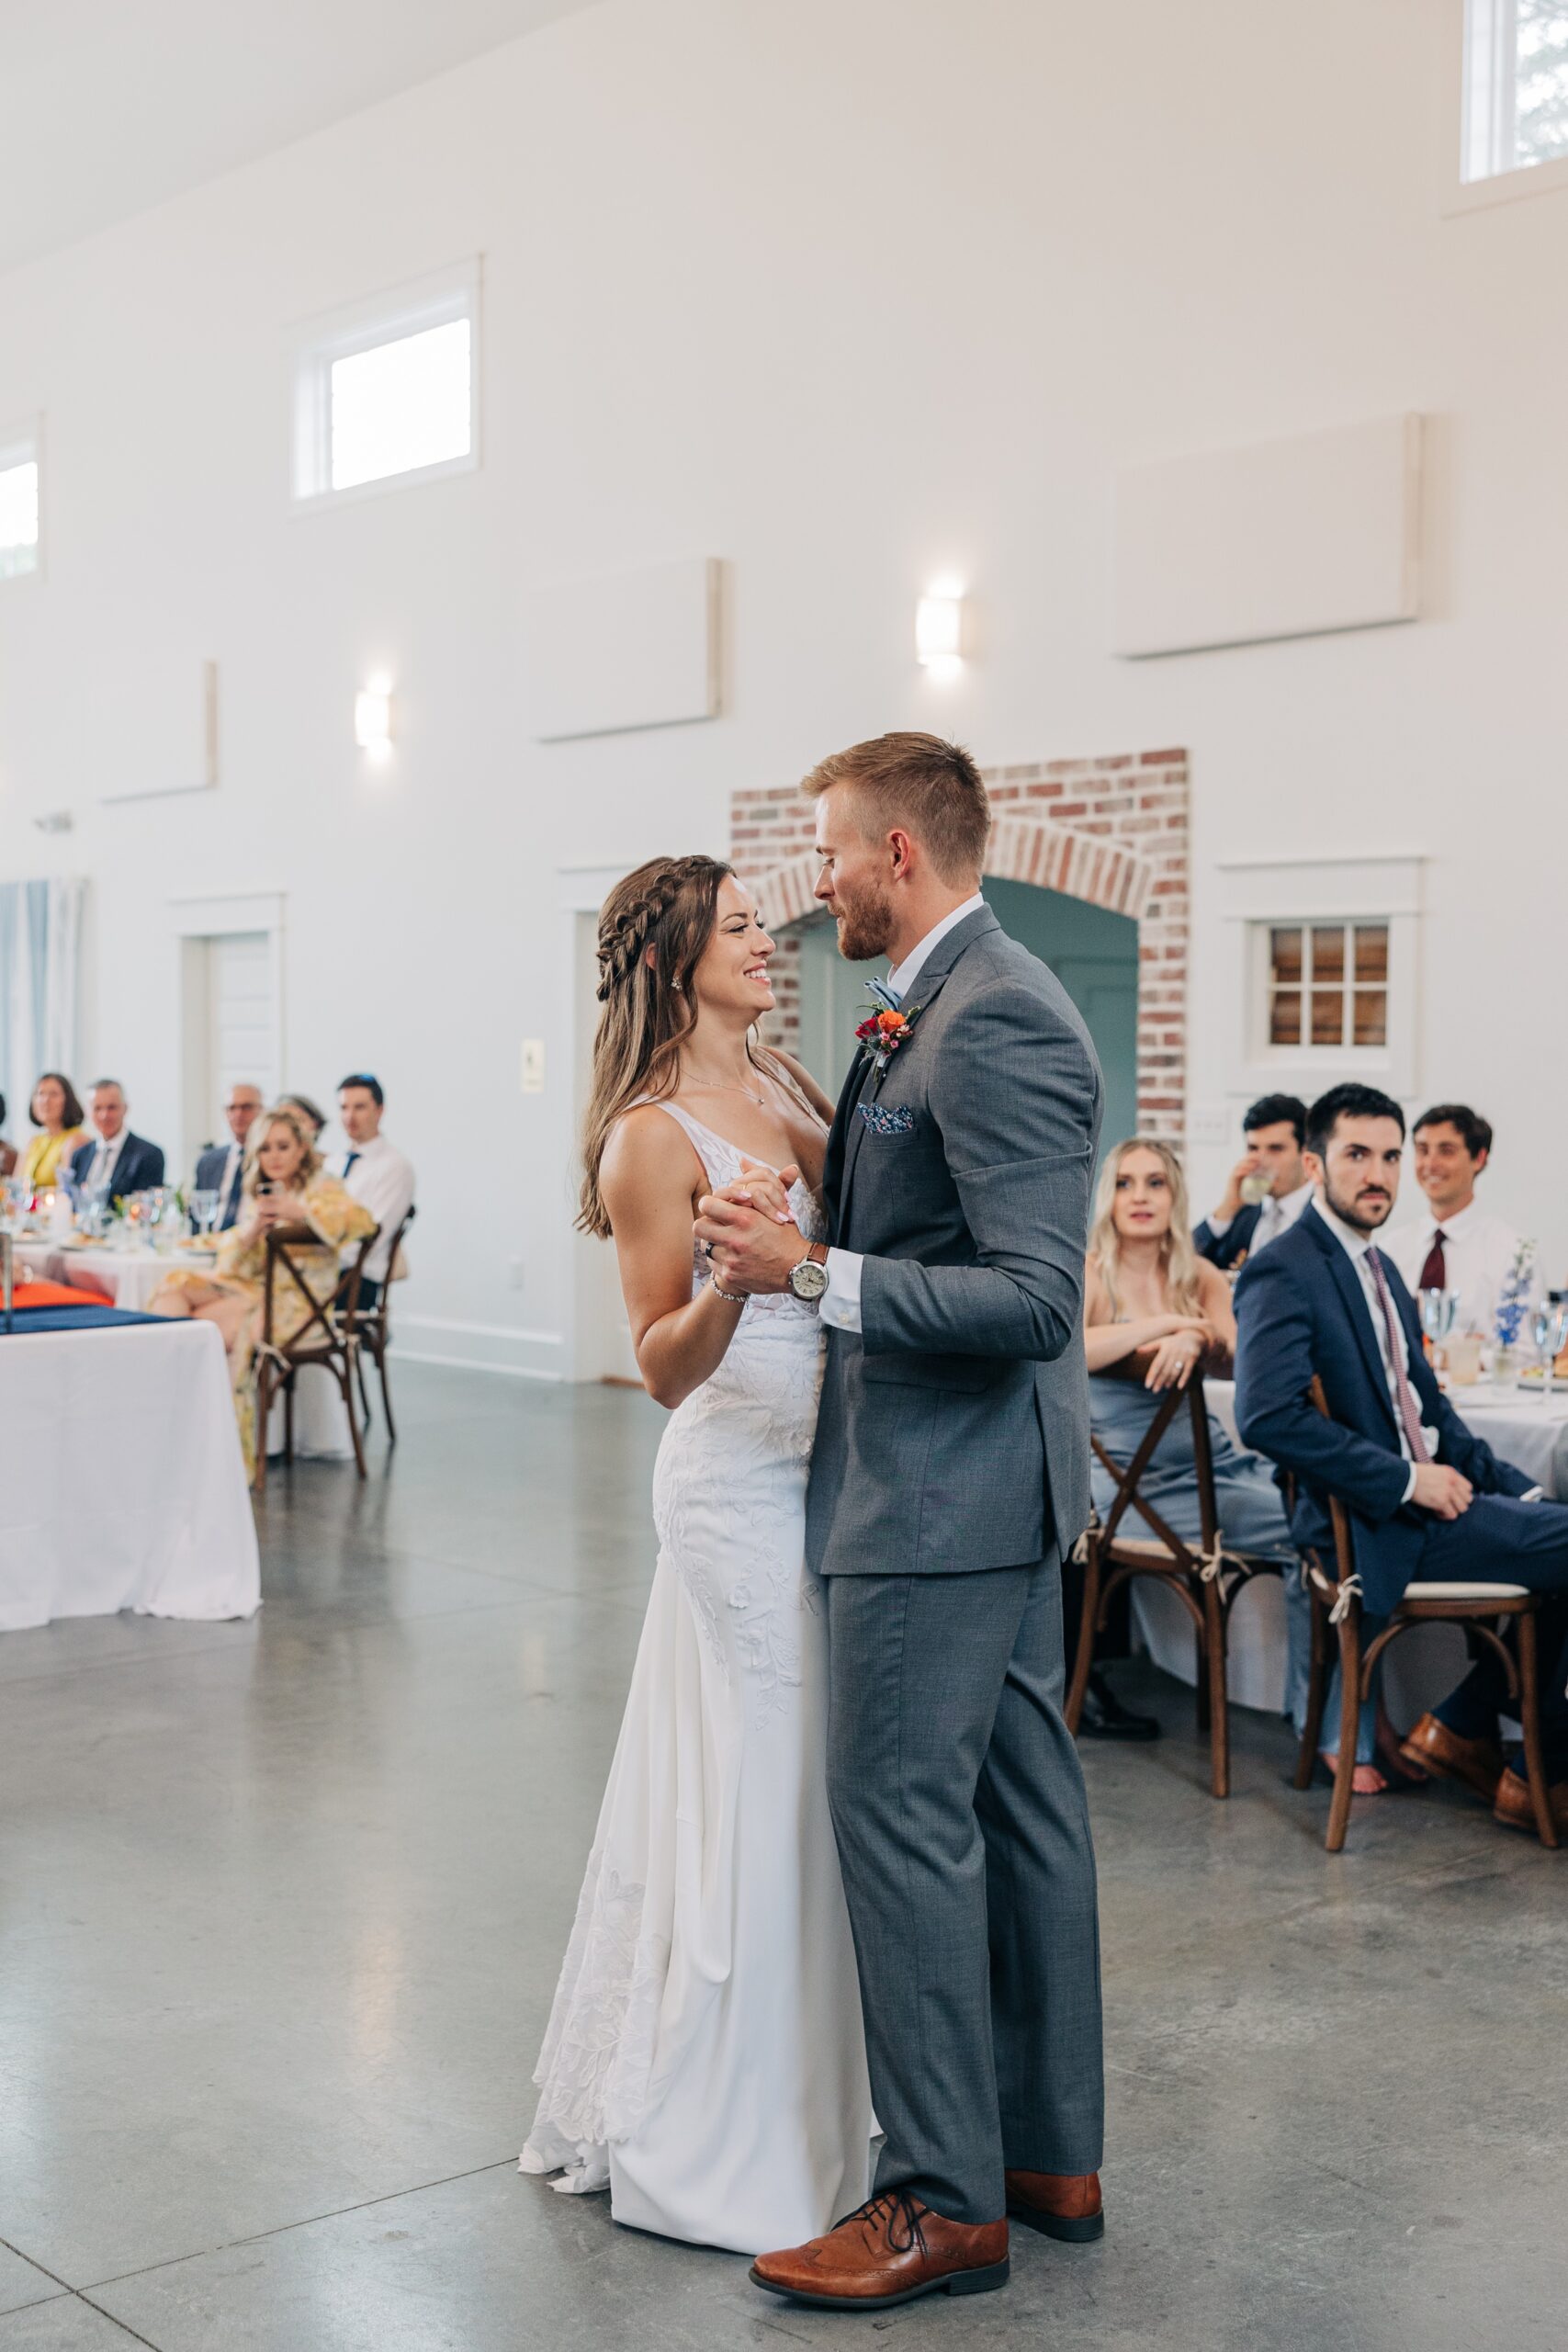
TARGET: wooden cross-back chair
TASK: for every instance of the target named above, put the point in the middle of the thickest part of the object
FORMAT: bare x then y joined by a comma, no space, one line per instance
373,1329
1207,1581
1337,1609
327,1337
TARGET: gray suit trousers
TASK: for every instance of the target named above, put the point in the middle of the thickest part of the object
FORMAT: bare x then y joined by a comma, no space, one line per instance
963,1836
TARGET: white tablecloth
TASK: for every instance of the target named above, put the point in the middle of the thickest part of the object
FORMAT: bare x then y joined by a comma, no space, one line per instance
128,1278
124,1487
1521,1427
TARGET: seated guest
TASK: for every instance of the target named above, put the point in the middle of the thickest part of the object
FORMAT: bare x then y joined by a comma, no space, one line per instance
1153,1310
315,1119
1274,1128
1457,1245
374,1171
122,1162
7,1151
222,1166
57,1114
1428,1499
284,1184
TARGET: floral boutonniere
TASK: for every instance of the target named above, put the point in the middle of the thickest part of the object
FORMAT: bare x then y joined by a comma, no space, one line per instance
882,1032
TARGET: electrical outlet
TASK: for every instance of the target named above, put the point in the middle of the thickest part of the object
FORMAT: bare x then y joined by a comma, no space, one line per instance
533,1066
515,1273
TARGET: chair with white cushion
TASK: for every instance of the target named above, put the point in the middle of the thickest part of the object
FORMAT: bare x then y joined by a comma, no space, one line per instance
1481,1608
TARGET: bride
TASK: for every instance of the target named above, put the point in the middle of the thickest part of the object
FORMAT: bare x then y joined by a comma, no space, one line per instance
704,2057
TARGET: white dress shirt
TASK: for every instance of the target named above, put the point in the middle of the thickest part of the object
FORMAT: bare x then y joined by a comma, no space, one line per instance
1356,1245
841,1300
1274,1216
1479,1251
105,1159
381,1180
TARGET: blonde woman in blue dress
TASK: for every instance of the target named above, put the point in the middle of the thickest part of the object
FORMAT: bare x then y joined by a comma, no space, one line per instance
705,2059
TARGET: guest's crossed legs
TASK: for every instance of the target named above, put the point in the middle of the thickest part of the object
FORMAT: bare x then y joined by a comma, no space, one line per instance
1512,1542
964,1835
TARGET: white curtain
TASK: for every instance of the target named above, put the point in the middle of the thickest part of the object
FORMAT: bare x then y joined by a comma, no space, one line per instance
40,931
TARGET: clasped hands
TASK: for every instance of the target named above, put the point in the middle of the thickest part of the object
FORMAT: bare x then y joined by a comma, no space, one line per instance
748,1231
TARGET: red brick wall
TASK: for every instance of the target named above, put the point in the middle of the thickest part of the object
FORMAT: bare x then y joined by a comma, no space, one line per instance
1113,830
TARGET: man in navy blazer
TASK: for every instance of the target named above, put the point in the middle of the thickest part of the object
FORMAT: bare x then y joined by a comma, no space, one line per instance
220,1168
1429,1501
121,1162
1275,1129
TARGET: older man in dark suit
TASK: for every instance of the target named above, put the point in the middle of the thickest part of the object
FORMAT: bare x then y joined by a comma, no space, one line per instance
1429,1501
120,1163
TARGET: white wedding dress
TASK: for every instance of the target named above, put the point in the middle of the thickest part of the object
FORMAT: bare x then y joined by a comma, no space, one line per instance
704,2057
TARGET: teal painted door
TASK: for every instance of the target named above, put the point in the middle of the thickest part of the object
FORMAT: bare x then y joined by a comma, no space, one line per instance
1093,954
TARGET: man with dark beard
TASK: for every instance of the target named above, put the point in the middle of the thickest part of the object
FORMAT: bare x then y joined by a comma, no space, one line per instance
1429,1501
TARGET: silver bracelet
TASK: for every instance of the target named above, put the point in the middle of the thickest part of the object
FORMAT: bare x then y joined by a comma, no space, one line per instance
733,1297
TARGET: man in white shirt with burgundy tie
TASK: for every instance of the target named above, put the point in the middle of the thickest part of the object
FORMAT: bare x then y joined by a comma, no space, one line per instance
1458,1246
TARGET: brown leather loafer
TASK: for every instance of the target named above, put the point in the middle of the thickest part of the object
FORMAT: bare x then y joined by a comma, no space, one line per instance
1477,1762
889,2250
1065,2205
1514,1808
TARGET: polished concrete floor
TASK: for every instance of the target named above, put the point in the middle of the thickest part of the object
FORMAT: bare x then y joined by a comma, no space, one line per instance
283,1905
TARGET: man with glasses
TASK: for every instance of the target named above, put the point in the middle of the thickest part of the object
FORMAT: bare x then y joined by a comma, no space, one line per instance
376,1173
220,1167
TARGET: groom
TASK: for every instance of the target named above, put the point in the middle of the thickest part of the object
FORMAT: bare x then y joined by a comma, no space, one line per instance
949,1477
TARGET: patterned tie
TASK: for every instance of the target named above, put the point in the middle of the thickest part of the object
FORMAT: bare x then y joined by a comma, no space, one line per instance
1435,1273
1405,1395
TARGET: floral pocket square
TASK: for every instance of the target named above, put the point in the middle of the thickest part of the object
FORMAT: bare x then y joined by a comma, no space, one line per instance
884,1121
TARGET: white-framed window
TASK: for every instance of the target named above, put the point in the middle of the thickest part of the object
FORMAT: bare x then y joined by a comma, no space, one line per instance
20,536
385,393
1325,971
1512,97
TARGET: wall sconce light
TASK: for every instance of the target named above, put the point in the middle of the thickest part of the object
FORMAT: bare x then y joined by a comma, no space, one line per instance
939,630
373,718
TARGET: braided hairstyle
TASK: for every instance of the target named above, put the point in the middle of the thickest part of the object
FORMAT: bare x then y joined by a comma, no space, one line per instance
654,929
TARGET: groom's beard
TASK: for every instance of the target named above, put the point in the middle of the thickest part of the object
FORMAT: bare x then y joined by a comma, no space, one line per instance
865,924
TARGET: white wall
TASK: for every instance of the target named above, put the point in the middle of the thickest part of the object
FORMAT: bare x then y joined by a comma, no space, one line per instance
846,293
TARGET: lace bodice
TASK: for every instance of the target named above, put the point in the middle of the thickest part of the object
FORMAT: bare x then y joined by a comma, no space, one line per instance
722,1165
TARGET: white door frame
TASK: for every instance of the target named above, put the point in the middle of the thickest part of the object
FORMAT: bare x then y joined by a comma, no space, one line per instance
196,921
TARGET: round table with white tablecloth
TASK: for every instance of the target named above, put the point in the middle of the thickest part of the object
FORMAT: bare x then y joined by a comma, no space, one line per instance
128,1279
1521,1425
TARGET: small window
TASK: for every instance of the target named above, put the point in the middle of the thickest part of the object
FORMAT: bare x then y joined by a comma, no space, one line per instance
1327,986
18,506
387,393
1516,87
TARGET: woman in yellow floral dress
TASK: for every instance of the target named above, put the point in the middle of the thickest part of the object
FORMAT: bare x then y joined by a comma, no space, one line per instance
284,1184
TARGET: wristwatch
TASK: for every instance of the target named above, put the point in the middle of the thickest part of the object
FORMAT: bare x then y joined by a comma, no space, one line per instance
809,1279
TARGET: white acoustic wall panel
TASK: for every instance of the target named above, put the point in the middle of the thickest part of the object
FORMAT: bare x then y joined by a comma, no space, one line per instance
1289,538
154,726
636,648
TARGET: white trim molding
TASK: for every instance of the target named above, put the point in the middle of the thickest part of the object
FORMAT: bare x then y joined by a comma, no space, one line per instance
1254,892
480,1347
439,299
1478,113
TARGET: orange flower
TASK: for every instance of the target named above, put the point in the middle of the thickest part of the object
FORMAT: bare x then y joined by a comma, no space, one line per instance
889,1023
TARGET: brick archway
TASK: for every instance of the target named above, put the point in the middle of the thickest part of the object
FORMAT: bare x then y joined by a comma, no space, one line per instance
1113,832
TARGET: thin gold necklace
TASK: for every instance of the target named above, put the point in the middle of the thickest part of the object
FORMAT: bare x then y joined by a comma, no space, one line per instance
711,1086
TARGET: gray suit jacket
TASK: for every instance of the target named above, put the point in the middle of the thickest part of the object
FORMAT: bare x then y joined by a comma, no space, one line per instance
953,1431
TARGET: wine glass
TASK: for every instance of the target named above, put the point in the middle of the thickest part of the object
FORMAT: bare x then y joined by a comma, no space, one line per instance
1557,1338
204,1210
1439,1308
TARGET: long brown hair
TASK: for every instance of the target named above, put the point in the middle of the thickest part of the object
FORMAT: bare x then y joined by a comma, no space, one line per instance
671,905
1178,1259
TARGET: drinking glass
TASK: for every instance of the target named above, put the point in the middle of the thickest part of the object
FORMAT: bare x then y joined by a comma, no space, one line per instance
1541,1333
1558,1336
1439,1308
1256,1186
204,1211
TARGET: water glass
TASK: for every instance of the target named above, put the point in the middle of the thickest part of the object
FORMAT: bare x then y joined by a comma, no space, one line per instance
204,1211
1256,1187
1542,1317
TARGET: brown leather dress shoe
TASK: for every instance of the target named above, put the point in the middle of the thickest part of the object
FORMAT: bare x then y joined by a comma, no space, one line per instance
889,2250
1477,1762
1514,1808
1064,2205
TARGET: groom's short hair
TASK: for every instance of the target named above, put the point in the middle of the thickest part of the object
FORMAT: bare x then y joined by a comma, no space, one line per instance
929,788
